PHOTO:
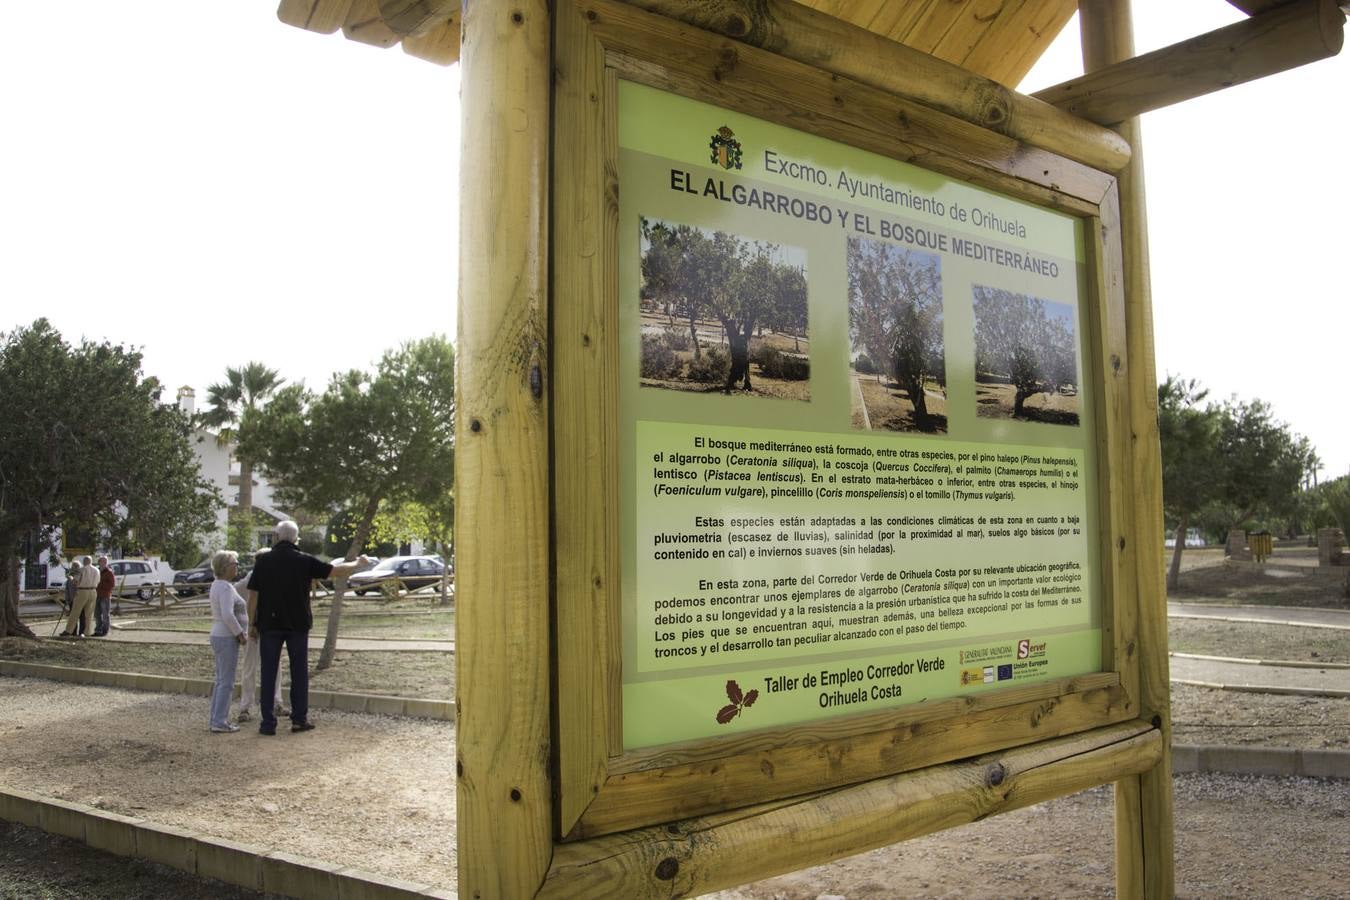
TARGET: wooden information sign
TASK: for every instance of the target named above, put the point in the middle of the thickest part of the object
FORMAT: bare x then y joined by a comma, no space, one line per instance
802,521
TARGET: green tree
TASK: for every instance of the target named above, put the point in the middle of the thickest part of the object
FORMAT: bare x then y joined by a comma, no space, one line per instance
661,266
746,296
895,313
790,308
363,443
719,275
670,271
87,441
1264,463
1337,499
1225,465
337,539
232,406
1015,338
432,523
1191,467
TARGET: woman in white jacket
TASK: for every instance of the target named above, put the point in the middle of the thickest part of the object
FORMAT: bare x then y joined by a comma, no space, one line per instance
229,631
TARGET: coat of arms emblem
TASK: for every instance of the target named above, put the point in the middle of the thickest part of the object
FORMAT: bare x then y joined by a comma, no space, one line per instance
726,150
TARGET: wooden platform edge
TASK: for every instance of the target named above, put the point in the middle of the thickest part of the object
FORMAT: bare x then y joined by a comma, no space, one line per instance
712,852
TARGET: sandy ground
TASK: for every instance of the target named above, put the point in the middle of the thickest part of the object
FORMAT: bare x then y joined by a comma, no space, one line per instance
372,791
890,409
1235,837
999,400
378,793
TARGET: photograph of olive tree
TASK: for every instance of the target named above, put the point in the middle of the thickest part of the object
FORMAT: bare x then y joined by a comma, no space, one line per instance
898,369
722,313
1026,366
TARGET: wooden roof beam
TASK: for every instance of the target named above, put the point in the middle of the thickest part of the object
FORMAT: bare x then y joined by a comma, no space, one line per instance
1284,38
800,33
365,25
323,16
417,17
439,45
1256,7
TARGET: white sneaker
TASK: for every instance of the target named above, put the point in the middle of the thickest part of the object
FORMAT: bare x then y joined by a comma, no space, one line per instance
226,729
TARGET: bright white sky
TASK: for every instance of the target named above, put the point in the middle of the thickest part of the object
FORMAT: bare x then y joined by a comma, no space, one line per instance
201,181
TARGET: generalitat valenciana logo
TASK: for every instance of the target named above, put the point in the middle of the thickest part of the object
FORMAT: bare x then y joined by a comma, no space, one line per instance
726,150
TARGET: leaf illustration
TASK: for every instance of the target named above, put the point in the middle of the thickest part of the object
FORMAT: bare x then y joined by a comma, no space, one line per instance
733,691
727,713
750,698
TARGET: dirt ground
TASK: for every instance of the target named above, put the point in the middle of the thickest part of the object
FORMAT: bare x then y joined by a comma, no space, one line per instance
1290,583
378,793
997,401
890,409
375,792
1235,837
710,334
429,675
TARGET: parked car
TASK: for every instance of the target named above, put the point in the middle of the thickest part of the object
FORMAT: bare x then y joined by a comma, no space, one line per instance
198,578
139,577
413,571
1193,539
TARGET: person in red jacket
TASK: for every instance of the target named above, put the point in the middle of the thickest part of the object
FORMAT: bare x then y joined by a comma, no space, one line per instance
107,581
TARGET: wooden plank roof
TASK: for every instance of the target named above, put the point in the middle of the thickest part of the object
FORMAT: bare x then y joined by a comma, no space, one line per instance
1000,39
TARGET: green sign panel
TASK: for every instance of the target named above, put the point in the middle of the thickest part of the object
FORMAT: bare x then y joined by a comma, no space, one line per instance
856,452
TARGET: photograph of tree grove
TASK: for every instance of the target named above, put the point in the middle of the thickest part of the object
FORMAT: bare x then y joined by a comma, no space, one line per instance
897,360
1025,364
721,313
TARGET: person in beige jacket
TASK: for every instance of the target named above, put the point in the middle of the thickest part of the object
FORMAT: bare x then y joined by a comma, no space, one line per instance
82,610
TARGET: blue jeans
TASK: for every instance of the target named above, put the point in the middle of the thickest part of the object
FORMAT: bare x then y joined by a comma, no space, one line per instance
226,650
102,618
297,649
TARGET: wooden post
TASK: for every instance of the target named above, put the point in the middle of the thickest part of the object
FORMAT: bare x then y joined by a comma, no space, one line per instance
1144,839
502,655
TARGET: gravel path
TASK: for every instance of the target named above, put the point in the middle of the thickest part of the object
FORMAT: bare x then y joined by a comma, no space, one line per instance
149,636
1282,615
378,793
368,791
1236,837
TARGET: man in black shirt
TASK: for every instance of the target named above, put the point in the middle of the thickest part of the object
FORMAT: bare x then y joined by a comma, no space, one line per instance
279,613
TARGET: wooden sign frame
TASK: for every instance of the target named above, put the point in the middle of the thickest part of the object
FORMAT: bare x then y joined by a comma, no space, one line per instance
601,789
549,803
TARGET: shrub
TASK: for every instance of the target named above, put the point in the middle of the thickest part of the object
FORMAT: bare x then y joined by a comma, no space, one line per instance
863,365
783,366
678,339
712,367
658,357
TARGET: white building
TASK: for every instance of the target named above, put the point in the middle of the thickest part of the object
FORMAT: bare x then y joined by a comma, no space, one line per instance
220,467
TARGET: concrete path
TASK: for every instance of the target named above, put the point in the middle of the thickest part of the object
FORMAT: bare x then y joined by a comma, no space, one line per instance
1260,675
1326,680
1273,615
149,636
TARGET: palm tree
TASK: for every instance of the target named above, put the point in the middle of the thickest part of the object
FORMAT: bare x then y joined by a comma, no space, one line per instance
229,407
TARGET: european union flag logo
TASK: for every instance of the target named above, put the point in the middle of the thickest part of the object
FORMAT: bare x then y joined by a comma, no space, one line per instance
1005,672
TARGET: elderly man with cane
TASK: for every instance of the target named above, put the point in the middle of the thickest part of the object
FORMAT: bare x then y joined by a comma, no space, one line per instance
280,614
82,607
